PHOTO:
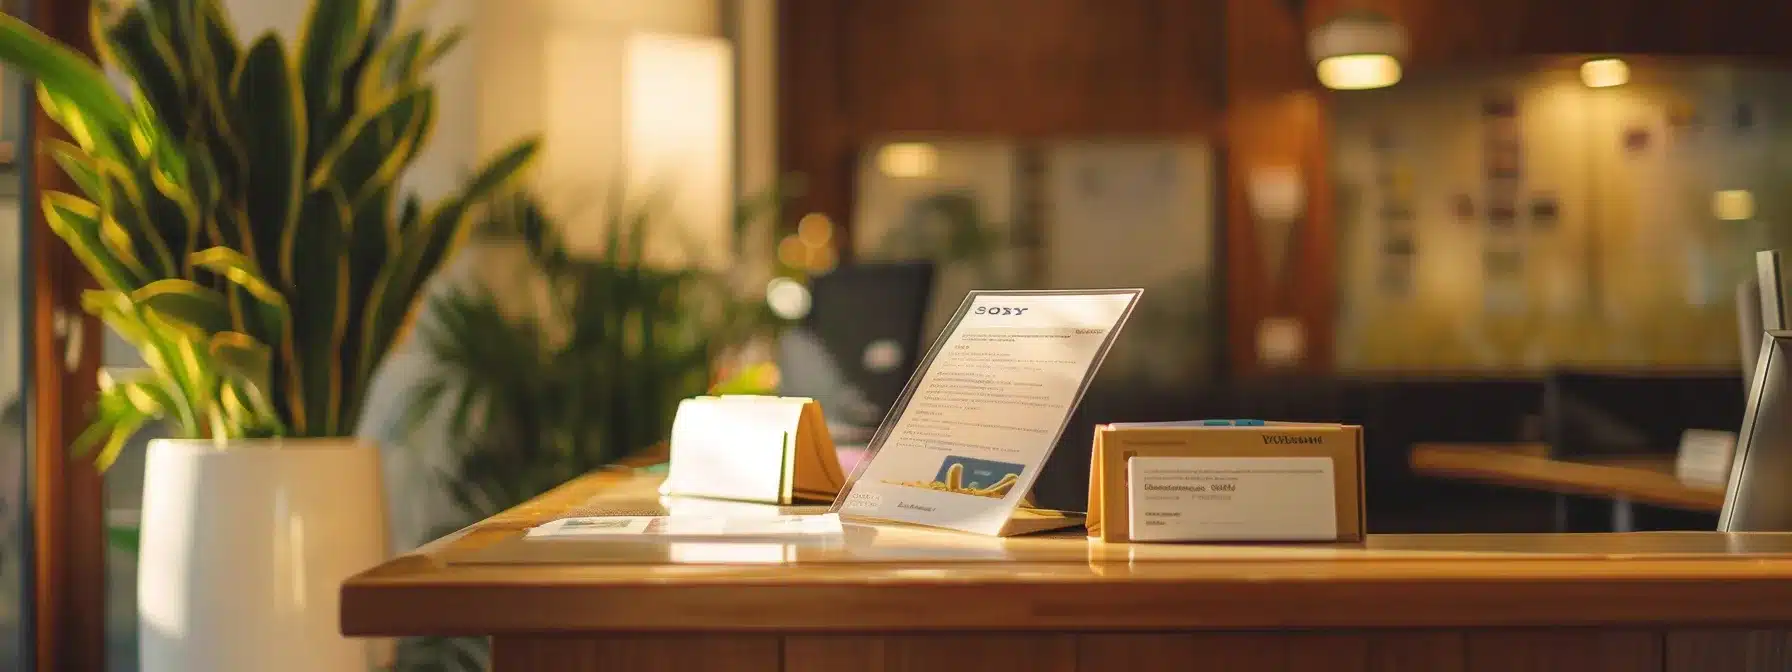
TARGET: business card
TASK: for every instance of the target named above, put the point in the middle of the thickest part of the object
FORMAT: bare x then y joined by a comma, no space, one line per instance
1231,499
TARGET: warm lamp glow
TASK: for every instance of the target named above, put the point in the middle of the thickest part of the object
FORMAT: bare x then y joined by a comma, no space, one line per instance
1357,50
1604,72
1733,205
1359,71
907,159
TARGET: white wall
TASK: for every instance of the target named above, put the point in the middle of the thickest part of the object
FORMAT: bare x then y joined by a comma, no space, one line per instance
614,84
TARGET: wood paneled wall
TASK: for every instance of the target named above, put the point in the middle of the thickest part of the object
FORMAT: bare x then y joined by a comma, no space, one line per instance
850,72
1236,70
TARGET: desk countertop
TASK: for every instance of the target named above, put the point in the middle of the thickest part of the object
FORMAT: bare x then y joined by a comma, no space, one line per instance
906,579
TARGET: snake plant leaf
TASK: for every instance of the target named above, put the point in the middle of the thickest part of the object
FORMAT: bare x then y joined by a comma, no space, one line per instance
410,216
248,364
429,242
271,118
371,240
445,226
242,354
333,34
215,58
417,136
158,347
91,135
443,46
117,194
375,40
188,302
118,243
321,304
77,164
149,58
237,268
75,82
267,314
374,147
116,421
77,221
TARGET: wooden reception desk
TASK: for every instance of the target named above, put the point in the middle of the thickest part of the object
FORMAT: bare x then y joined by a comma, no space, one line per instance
900,600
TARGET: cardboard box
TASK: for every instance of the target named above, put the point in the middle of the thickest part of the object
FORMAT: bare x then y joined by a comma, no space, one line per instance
1108,518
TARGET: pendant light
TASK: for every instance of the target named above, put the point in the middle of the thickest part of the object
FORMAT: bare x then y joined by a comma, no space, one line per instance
1357,50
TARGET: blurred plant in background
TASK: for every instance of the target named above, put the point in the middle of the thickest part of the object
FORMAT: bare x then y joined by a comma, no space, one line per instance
535,398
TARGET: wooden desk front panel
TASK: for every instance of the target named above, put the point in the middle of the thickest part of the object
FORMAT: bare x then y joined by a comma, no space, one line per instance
1494,650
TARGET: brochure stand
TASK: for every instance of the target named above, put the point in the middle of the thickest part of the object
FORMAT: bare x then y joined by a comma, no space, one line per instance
771,450
965,441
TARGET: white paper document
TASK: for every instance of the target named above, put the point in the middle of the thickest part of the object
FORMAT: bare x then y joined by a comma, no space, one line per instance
1231,499
732,447
969,435
711,528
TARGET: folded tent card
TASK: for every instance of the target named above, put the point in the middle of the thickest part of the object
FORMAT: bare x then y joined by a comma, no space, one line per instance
769,450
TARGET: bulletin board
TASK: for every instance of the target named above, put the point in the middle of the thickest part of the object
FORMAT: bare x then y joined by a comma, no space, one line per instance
1514,220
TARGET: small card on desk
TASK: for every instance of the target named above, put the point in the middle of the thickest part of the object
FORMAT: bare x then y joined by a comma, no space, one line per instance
772,450
672,528
1231,498
1243,481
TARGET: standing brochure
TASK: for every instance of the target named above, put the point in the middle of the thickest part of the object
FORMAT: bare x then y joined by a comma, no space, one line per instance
963,445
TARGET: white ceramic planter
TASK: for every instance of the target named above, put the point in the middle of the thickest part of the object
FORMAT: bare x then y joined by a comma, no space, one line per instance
244,551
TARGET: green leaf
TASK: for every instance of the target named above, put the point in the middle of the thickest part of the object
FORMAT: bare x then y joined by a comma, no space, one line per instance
500,171
368,154
242,354
332,35
187,302
77,222
150,59
77,164
401,281
72,81
248,365
120,198
443,45
233,266
271,119
321,307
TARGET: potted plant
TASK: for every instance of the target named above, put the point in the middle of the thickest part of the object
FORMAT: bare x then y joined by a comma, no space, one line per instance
239,208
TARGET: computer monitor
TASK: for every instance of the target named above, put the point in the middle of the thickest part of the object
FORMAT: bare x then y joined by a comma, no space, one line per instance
860,342
1758,497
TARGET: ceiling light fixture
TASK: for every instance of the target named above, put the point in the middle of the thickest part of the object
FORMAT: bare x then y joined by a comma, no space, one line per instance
1357,50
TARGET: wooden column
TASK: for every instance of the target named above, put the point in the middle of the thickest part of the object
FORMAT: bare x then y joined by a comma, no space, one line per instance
67,514
1276,118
